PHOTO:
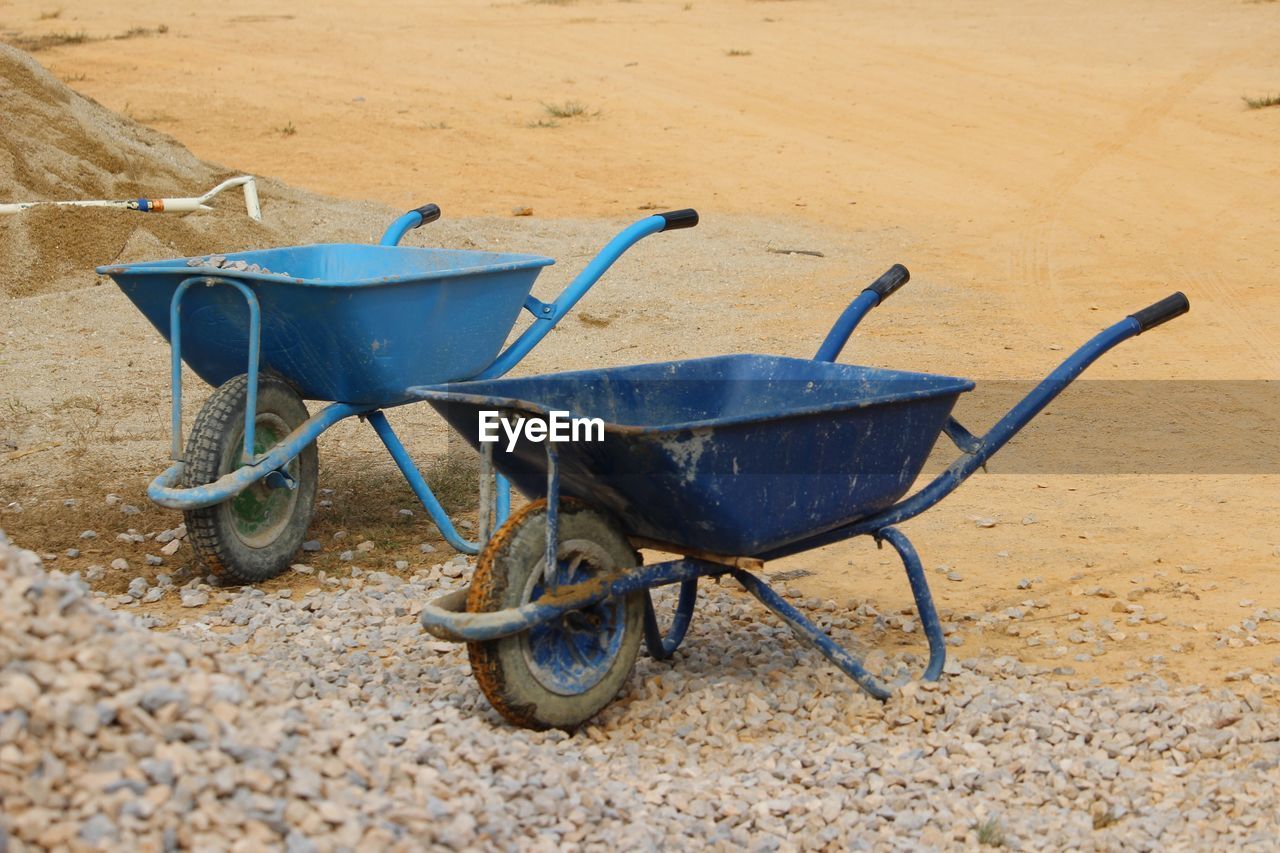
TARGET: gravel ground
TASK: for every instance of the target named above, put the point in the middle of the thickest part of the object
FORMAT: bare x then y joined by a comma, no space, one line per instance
328,720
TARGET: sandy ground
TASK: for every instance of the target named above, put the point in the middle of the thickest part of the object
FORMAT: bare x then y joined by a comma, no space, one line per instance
1043,169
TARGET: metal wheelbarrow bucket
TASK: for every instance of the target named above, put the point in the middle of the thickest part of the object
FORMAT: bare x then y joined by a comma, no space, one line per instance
735,454
353,323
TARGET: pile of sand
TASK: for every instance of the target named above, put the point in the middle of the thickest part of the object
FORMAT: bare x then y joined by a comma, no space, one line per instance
59,145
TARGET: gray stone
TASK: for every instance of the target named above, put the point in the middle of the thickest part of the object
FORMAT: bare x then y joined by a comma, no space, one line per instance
99,830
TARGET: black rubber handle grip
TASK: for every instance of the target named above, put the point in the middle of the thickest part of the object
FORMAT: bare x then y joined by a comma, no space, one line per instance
686,218
429,213
1173,305
887,284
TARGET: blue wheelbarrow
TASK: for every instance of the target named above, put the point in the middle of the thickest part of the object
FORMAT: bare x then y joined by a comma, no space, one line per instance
728,461
352,324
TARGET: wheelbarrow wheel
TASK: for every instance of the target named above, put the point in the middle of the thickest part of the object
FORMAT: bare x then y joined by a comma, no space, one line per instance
559,674
253,536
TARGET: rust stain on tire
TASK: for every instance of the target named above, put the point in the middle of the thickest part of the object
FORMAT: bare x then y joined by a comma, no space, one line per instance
488,589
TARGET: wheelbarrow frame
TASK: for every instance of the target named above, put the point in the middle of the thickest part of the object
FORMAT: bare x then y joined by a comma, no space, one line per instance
269,465
445,617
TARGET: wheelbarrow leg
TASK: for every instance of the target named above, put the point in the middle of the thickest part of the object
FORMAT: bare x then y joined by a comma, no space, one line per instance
841,656
662,646
378,420
502,509
806,630
924,600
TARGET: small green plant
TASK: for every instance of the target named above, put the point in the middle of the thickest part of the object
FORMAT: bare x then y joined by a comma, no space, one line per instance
287,130
569,109
543,122
990,833
51,15
736,52
1260,103
438,125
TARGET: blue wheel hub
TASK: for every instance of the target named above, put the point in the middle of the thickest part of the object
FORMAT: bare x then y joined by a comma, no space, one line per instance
571,654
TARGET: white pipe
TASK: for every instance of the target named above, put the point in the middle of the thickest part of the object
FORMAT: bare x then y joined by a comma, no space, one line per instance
157,205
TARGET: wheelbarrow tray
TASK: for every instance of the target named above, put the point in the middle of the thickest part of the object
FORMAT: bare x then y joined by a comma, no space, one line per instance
350,323
736,454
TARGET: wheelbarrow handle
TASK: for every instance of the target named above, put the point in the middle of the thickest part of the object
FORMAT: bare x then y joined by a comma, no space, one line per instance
676,219
871,296
976,451
1173,305
413,219
547,314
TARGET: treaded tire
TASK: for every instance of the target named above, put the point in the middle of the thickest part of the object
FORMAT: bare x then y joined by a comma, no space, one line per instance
220,534
502,580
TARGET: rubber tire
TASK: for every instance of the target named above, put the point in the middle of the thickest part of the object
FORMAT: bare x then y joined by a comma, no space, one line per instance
214,449
502,572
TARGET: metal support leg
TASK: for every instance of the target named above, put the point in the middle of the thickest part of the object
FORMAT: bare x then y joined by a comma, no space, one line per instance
551,564
175,363
378,420
662,647
486,493
924,600
810,632
837,654
503,488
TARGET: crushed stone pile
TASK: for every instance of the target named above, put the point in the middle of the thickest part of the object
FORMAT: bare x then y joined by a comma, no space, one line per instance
326,720
58,145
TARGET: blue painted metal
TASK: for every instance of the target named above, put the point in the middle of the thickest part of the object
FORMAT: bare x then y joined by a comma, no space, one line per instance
254,347
961,437
357,324
401,226
446,623
551,565
162,490
843,328
486,493
502,511
378,420
662,646
924,600
734,454
646,403
547,314
834,652
999,434
570,654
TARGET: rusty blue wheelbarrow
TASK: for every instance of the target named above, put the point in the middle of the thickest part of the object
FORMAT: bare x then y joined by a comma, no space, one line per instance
352,324
729,461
